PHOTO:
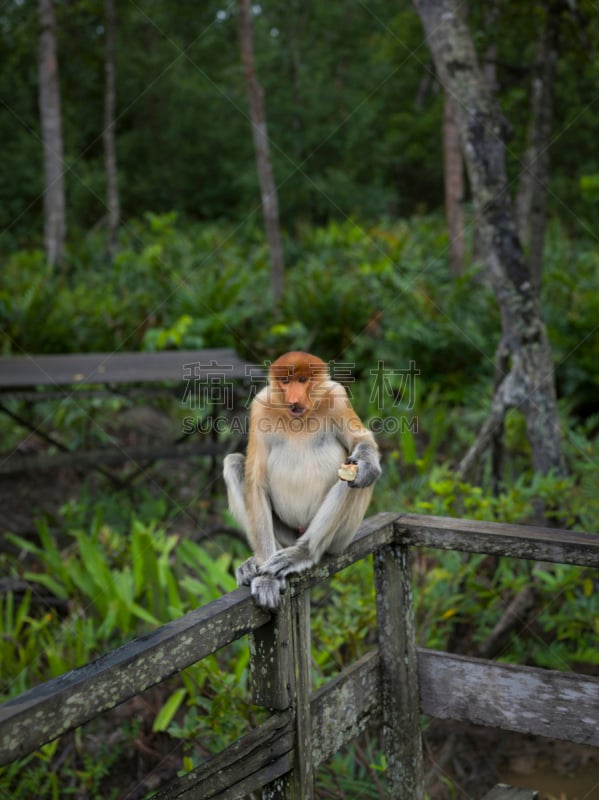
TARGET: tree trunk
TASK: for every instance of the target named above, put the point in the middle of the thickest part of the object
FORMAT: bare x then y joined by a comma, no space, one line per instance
454,189
532,195
49,104
529,385
112,187
268,190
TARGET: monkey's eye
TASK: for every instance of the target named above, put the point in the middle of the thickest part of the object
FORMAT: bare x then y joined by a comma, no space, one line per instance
302,379
285,379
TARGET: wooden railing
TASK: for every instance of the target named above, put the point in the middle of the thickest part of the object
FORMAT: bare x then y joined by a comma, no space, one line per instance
32,378
394,683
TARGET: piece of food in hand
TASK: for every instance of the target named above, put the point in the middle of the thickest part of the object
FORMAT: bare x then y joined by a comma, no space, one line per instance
347,472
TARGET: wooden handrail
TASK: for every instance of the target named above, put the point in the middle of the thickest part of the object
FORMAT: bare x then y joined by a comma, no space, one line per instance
44,712
116,368
499,538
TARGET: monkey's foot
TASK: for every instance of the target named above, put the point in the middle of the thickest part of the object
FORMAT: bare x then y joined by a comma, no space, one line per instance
266,591
287,561
246,572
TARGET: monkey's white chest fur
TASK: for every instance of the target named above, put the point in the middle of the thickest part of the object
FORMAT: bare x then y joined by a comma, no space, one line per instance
300,472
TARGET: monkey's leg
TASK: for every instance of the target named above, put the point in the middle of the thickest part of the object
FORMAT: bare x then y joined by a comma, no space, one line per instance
284,535
331,529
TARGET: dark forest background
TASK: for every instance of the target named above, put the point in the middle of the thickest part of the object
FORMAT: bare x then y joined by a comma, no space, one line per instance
354,110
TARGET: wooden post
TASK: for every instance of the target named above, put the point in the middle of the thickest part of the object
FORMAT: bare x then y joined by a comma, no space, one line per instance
271,661
281,678
399,673
303,771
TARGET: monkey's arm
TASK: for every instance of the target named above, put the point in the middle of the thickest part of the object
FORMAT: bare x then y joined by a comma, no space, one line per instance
358,441
366,456
259,521
265,588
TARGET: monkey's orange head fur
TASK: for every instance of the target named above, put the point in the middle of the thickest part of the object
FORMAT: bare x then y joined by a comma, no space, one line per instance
294,377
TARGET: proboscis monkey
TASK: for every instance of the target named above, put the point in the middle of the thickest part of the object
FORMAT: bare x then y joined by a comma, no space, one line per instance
286,492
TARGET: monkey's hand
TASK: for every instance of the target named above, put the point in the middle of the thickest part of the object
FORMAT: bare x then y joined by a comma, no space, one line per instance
266,591
287,561
246,572
368,466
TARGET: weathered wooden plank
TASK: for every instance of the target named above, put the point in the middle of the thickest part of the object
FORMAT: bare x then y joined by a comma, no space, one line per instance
345,706
78,368
517,541
43,713
281,668
270,661
541,702
504,792
257,758
399,672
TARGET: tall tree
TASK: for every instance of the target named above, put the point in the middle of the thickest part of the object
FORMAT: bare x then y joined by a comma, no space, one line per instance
526,381
49,105
454,188
112,187
268,189
534,177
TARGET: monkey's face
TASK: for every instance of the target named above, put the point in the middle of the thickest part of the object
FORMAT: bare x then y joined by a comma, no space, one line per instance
296,394
295,378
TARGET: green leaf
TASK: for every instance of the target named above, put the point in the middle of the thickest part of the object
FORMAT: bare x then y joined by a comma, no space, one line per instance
24,544
57,589
143,614
168,710
408,447
145,562
93,558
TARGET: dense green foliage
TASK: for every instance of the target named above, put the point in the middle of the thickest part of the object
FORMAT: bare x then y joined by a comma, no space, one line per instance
358,293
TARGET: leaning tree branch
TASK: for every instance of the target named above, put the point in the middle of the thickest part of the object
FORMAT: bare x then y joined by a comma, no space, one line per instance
530,384
502,400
